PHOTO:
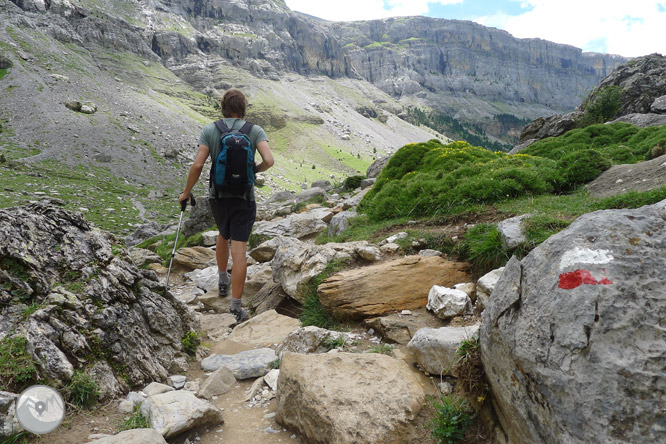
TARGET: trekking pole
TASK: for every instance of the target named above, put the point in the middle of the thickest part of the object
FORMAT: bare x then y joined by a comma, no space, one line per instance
183,205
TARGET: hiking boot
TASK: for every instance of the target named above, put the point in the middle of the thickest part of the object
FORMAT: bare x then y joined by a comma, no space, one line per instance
241,315
223,288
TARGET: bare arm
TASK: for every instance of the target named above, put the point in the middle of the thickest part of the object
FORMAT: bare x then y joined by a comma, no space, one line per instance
267,160
195,171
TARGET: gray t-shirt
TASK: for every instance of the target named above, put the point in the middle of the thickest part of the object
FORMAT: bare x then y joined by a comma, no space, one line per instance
210,136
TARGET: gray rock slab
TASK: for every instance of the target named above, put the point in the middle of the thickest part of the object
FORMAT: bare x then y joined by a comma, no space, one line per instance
435,348
573,339
136,436
175,412
512,231
244,365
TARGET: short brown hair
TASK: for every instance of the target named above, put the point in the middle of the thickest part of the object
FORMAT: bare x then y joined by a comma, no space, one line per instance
234,104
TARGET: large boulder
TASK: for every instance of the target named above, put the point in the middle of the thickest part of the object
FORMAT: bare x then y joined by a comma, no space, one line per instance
377,167
340,222
95,303
201,218
402,284
573,337
347,398
174,412
296,262
618,179
194,258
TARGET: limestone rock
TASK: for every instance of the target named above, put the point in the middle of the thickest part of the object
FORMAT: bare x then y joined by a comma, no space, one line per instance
141,257
220,382
331,398
401,284
271,379
365,183
257,277
243,365
394,328
469,288
296,262
135,436
265,251
447,302
144,232
642,120
109,386
177,381
377,167
659,105
297,225
435,348
194,257
155,388
485,286
265,329
323,184
430,253
210,238
270,297
308,339
174,412
206,279
9,425
355,199
340,222
280,196
512,231
201,218
572,339
643,176
218,321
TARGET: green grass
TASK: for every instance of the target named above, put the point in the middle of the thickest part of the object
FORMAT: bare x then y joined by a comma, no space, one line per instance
482,248
3,72
136,420
313,312
82,391
17,369
384,349
166,242
332,343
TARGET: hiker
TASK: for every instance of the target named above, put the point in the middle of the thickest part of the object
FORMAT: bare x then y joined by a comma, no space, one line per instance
234,208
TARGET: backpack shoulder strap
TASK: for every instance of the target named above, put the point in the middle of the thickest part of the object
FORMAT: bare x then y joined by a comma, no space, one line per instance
246,128
222,126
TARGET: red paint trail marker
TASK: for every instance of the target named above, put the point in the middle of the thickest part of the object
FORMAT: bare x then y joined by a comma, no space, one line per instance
574,279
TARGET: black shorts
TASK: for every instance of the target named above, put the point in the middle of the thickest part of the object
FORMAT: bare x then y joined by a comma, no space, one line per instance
234,217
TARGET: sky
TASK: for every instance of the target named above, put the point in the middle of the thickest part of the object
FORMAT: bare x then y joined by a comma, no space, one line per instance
628,28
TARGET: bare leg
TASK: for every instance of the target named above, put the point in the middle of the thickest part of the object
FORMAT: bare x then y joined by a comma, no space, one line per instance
239,271
222,253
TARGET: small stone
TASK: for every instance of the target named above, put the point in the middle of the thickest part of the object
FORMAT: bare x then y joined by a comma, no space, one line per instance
177,381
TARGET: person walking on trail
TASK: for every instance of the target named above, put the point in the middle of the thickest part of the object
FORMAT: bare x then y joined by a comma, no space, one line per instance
234,214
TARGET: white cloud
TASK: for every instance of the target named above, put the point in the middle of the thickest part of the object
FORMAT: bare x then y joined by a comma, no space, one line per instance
627,28
348,10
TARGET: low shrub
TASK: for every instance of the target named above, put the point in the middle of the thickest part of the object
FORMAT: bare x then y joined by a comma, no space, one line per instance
190,342
602,106
579,167
352,182
452,417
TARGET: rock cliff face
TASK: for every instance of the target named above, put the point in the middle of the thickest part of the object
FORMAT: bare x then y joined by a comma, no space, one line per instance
419,56
78,300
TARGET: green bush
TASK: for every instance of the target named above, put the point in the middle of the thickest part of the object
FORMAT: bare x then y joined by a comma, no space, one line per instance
579,167
82,391
452,417
17,369
256,239
618,142
603,106
352,182
431,179
190,342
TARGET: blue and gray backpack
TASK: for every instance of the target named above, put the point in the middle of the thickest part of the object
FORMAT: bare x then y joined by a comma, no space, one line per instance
233,170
